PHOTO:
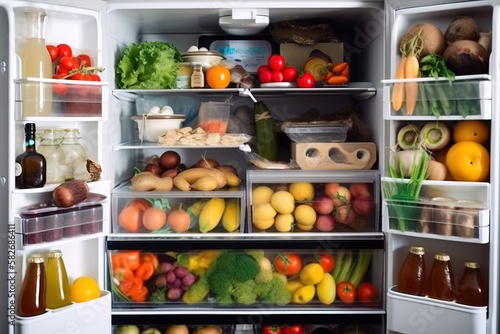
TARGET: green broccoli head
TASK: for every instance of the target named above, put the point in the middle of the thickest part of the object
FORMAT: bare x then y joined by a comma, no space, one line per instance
219,282
274,291
264,275
244,292
257,254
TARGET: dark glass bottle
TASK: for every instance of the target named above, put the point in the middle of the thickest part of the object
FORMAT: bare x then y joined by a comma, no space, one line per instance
471,289
31,167
411,278
440,284
32,295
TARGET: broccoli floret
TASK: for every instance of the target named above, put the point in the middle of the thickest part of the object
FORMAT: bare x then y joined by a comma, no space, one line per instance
264,276
274,291
219,282
244,292
158,296
257,254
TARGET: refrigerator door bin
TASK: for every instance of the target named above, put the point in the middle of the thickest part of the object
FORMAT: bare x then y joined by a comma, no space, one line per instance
414,314
87,317
466,97
322,202
222,211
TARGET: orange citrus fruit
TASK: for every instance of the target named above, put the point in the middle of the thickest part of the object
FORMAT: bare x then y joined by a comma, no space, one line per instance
84,288
475,130
468,161
218,76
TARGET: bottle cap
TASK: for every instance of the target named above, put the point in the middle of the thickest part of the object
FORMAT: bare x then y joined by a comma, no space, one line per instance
418,250
442,257
472,265
55,253
35,258
29,127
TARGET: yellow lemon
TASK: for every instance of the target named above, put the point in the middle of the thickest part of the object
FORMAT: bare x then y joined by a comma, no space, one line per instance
304,294
261,195
304,215
284,222
283,202
311,274
84,288
302,191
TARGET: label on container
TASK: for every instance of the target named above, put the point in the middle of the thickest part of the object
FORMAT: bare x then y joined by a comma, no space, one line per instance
18,169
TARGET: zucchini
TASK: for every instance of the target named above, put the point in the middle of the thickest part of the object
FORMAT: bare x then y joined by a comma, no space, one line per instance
357,274
267,141
345,269
339,260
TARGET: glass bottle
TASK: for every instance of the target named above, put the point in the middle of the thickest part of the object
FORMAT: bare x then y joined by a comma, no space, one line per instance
440,284
57,291
73,151
411,278
197,77
35,63
32,294
50,148
31,167
471,289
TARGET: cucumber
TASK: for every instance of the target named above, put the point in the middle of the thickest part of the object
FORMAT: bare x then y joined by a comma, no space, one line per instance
346,267
358,273
267,141
339,260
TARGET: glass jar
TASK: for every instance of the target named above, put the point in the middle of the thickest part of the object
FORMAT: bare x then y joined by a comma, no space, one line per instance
184,73
73,151
411,278
197,77
57,292
471,289
440,284
50,148
31,300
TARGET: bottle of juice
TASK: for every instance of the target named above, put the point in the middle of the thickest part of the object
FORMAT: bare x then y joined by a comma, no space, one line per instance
35,63
411,278
31,300
441,284
58,292
471,289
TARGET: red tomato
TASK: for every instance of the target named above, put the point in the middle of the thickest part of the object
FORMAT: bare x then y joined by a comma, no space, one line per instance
276,62
289,74
65,50
53,52
271,329
77,76
346,292
326,261
68,63
276,76
94,77
85,60
306,80
292,329
366,292
78,62
62,71
262,68
59,88
265,76
288,264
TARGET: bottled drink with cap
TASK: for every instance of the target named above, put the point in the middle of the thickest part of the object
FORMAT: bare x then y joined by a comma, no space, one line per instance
411,278
31,166
57,292
441,284
31,300
471,289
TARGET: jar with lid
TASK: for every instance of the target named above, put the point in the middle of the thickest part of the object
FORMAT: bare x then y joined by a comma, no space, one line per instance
411,278
184,73
73,151
31,301
471,289
57,292
50,148
197,77
441,284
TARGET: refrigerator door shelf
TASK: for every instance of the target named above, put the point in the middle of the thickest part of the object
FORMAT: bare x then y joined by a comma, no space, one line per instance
415,314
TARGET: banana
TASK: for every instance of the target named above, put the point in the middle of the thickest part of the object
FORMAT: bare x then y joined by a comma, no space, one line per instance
181,183
191,175
205,183
326,289
232,179
231,215
196,207
211,214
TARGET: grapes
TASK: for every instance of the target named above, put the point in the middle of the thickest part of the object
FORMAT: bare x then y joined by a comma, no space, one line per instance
180,271
175,279
171,277
174,293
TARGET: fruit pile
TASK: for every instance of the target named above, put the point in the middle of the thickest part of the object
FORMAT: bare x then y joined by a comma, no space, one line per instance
304,206
277,70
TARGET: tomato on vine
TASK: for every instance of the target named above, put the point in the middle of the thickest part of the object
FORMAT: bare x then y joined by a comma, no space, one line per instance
85,60
53,52
65,50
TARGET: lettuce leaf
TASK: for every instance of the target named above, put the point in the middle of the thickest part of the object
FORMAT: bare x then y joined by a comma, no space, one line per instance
148,65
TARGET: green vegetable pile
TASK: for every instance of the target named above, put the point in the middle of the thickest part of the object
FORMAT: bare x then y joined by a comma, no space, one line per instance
148,65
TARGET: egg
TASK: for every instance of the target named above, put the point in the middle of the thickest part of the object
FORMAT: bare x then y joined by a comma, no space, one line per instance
193,48
154,110
166,110
203,49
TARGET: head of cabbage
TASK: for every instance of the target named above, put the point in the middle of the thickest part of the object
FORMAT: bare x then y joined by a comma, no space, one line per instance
148,65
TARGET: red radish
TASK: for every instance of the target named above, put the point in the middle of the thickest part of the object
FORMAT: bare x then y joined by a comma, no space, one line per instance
363,205
330,189
325,223
359,189
342,196
323,205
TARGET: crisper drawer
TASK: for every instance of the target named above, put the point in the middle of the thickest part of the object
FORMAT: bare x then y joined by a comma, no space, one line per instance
326,279
178,212
415,314
467,96
296,201
87,317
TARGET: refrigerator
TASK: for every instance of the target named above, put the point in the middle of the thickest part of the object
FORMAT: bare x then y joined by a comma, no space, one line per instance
369,32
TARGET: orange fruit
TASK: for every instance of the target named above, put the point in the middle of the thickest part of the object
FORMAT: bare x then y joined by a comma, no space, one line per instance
468,161
474,130
218,76
84,288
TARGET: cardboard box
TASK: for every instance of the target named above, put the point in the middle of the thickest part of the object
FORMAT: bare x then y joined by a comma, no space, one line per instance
297,55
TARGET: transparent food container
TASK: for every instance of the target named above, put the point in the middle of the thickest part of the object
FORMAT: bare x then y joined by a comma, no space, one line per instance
315,133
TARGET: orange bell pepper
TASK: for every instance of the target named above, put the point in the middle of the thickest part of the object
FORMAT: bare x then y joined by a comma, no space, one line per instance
126,259
150,257
145,271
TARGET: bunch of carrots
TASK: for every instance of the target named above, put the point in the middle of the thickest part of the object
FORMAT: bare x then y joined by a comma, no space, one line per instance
408,68
336,74
130,270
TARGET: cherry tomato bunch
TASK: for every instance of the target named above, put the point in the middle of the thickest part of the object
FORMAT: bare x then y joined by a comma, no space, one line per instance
71,67
283,329
348,293
276,70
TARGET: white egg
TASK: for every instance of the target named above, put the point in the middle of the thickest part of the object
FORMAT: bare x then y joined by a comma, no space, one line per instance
193,48
154,110
203,49
166,110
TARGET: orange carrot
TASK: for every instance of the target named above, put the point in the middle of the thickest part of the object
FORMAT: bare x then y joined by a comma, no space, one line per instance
338,68
398,91
338,80
345,71
411,70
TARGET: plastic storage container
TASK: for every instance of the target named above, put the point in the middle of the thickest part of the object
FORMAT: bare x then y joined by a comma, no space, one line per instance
315,133
214,116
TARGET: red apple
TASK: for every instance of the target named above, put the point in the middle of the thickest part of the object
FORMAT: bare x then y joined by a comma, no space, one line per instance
363,205
323,205
342,196
359,189
325,223
330,189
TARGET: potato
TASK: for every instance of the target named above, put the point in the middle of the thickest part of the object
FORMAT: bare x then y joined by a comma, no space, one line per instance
432,38
466,57
462,27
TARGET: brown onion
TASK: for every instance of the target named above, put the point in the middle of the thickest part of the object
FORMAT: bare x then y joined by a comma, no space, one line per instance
170,160
207,163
